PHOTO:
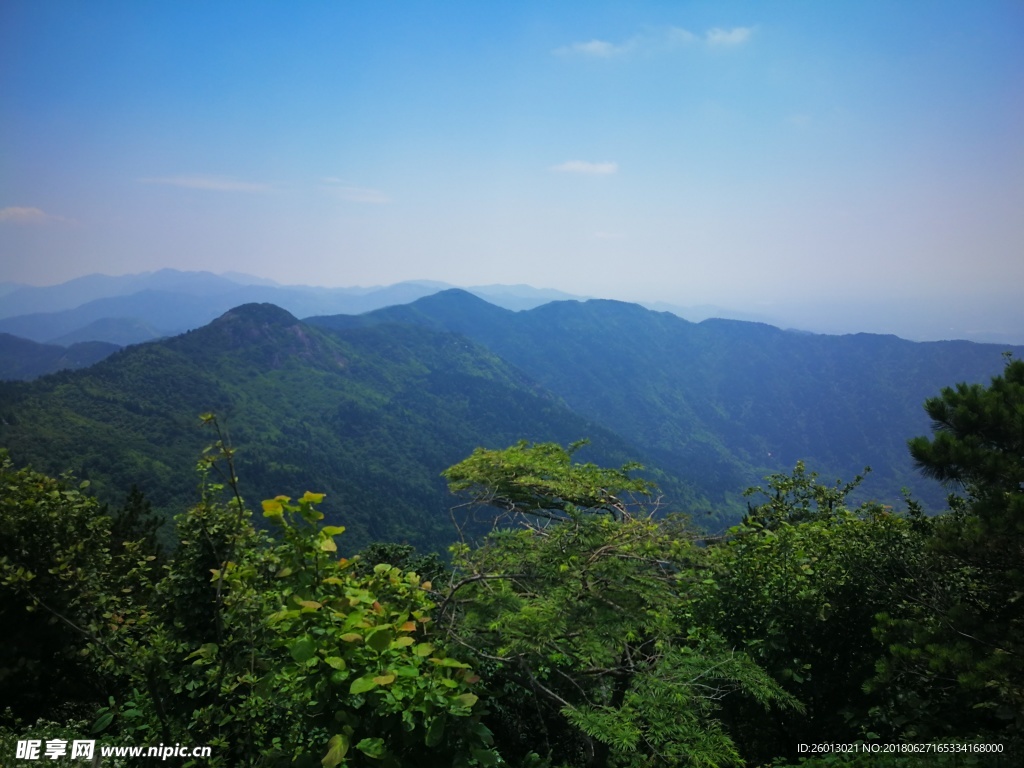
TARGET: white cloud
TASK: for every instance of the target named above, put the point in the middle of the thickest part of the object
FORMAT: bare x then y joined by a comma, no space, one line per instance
26,215
657,40
597,48
356,194
582,166
212,183
22,215
679,36
727,37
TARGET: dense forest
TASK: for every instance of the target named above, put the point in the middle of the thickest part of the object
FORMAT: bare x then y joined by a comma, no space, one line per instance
591,627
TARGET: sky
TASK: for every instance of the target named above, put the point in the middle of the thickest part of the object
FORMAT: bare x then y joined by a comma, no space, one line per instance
754,155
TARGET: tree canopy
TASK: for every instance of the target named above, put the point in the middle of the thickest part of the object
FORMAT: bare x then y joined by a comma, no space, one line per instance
542,479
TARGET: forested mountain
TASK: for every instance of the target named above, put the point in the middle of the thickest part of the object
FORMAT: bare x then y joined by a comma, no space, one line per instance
369,416
25,359
371,408
722,402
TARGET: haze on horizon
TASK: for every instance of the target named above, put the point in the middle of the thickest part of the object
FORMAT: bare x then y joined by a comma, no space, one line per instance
858,160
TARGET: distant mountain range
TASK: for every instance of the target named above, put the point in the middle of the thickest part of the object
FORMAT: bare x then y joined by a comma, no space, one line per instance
371,408
133,308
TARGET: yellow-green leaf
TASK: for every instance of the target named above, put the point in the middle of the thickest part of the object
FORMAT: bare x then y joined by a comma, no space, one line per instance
273,511
282,615
328,545
372,747
362,685
450,663
336,749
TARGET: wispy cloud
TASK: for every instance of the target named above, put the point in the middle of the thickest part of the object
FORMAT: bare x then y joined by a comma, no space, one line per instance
582,166
211,183
601,49
677,36
728,37
356,194
657,40
26,215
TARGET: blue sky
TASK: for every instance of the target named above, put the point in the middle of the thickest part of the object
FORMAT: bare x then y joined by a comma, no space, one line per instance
738,153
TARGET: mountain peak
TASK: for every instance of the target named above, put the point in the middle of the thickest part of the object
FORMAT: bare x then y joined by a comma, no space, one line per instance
453,310
265,334
452,297
267,314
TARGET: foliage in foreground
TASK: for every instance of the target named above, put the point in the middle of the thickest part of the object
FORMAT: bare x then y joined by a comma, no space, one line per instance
273,651
957,650
585,614
797,586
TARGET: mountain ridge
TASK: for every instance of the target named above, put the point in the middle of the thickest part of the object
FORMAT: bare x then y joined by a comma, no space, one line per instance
728,400
998,320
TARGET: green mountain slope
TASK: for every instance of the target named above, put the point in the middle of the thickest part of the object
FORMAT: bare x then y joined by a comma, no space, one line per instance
722,402
370,416
24,359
